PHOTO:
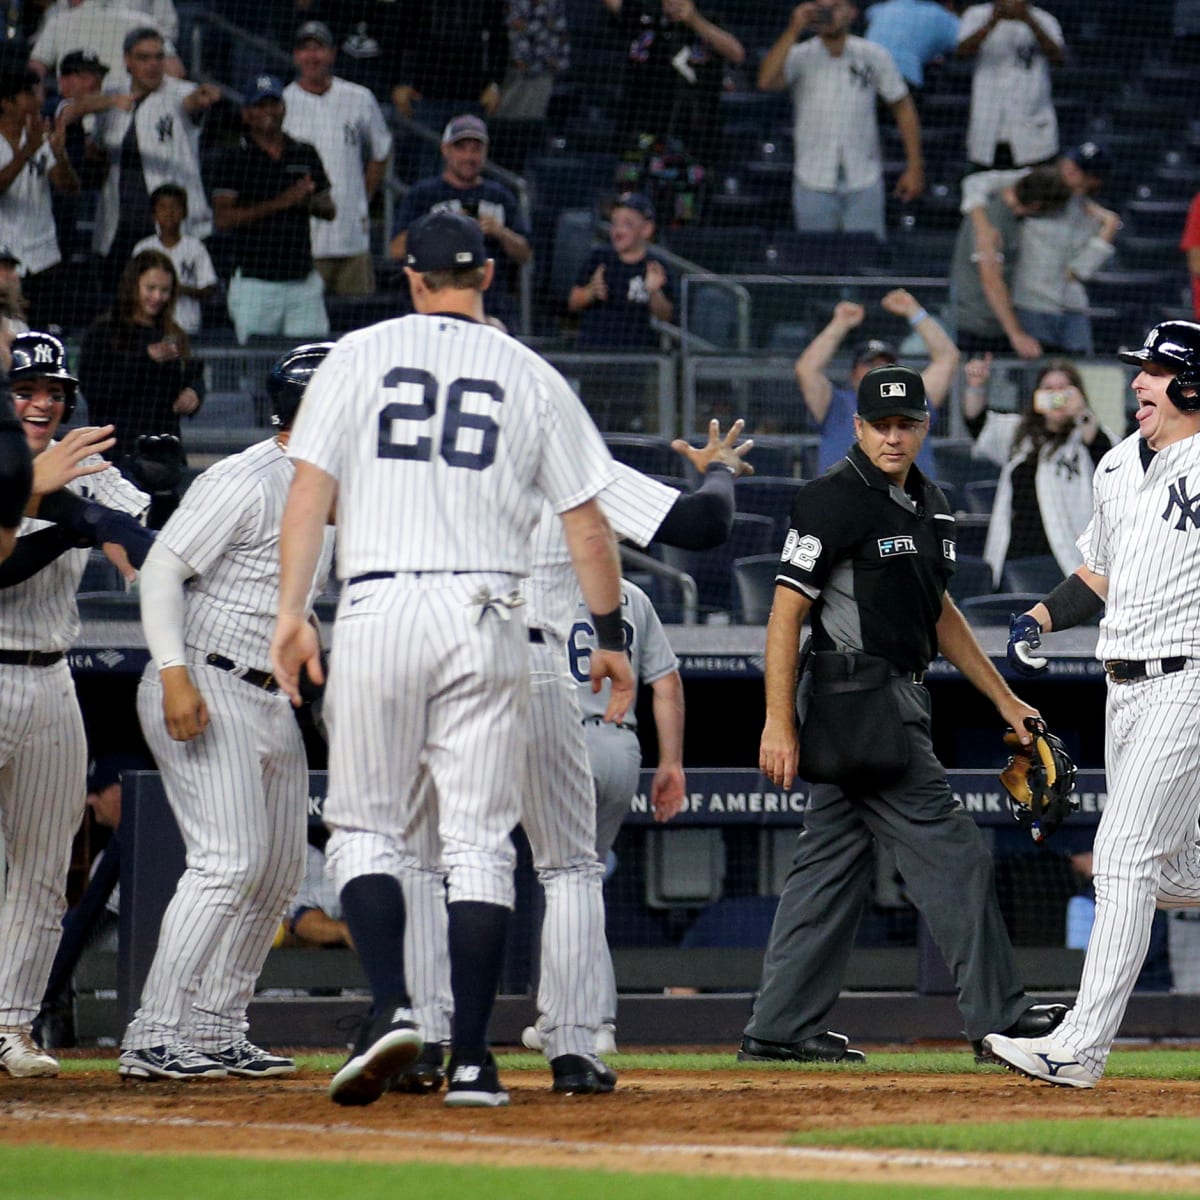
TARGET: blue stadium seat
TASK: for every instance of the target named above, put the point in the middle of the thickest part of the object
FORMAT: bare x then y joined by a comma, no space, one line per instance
1040,574
100,575
999,607
970,532
713,569
645,452
754,581
769,496
979,496
972,577
574,237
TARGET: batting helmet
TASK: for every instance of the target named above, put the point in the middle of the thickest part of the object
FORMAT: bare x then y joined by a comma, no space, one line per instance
1176,346
289,377
42,356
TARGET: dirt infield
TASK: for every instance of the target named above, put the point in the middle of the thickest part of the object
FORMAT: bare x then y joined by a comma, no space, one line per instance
727,1122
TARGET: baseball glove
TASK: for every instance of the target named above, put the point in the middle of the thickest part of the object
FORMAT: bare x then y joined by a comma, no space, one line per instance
1039,780
158,462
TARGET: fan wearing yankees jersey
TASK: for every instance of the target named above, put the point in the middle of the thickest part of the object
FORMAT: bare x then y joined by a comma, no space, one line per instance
230,751
43,753
558,806
1141,564
614,751
439,438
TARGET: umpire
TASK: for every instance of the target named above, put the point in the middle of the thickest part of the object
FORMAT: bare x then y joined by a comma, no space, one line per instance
868,554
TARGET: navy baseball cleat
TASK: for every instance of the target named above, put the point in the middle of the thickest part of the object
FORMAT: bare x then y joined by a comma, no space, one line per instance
582,1075
248,1061
386,1045
475,1084
176,1061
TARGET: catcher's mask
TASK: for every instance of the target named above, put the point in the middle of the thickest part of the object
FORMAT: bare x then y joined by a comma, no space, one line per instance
1039,780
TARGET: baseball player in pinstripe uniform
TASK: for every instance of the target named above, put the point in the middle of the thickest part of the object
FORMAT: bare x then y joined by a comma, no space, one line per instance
43,755
615,755
230,752
439,437
1141,561
558,809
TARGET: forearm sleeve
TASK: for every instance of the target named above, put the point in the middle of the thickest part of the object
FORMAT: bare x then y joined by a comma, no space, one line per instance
16,469
33,552
1072,603
701,519
161,586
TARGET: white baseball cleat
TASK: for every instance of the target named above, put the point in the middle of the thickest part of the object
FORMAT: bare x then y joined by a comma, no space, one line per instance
1041,1058
531,1038
22,1057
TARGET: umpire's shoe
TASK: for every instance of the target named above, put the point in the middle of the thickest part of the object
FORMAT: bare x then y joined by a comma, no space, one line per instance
422,1077
1035,1022
582,1075
827,1047
387,1043
475,1084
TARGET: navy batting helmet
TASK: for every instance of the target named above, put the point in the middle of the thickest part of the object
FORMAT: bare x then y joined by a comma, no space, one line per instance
42,356
289,377
1176,346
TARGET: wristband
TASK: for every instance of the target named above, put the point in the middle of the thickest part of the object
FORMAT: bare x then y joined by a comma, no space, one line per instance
717,466
1072,603
917,317
610,633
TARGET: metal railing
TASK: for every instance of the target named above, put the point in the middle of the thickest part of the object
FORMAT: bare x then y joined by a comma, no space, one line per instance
689,593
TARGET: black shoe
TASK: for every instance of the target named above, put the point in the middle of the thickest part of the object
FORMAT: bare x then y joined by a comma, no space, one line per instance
422,1077
474,1084
1034,1022
582,1075
827,1047
386,1044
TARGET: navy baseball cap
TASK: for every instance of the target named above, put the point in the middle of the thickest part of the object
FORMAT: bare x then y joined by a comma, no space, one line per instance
465,126
8,255
873,349
639,202
262,87
314,31
445,241
81,60
1092,158
892,392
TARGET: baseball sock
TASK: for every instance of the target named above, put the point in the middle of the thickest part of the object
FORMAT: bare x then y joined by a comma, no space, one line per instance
373,907
477,935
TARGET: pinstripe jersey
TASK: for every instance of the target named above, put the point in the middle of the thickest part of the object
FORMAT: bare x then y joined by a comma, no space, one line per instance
40,613
227,530
650,654
441,433
1144,537
635,505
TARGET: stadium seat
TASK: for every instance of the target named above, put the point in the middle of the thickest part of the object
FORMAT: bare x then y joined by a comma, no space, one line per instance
972,577
224,410
715,250
100,575
970,532
954,463
774,455
645,452
1040,574
1156,218
769,496
713,315
713,569
754,581
574,236
999,607
791,252
978,497
108,606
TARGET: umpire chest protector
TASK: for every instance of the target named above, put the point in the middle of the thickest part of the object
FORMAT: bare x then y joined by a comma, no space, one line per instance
875,558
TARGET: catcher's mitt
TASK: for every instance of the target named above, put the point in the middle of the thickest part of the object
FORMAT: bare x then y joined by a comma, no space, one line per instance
1039,780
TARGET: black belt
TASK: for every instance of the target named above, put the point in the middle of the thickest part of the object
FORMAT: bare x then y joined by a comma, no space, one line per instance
1126,670
30,658
908,676
371,575
537,637
614,724
260,679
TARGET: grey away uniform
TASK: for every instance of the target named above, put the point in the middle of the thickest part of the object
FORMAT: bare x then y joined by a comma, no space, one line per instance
876,560
614,752
239,790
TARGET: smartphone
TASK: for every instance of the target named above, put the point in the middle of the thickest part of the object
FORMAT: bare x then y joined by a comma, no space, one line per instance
1048,400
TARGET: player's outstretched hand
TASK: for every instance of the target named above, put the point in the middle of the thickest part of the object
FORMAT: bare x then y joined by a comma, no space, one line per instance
718,449
296,645
668,791
1024,637
614,665
184,709
63,460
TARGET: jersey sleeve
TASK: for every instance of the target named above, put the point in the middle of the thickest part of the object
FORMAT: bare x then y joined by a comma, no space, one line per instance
111,489
972,21
819,530
636,505
316,167
575,463
206,273
657,658
379,137
213,515
889,83
1191,229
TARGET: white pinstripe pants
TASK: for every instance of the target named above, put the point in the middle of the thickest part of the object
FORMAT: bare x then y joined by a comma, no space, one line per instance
1145,850
239,793
43,772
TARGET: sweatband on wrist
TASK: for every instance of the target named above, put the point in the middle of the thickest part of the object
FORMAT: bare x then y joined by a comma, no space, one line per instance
610,633
917,317
1072,603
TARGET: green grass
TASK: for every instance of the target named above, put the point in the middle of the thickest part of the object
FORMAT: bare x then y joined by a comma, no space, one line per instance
1129,1139
1163,1064
35,1174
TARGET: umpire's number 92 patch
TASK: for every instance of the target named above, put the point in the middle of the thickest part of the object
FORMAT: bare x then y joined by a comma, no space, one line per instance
801,552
